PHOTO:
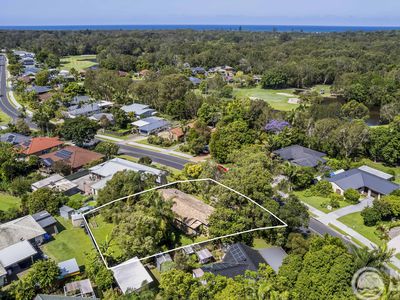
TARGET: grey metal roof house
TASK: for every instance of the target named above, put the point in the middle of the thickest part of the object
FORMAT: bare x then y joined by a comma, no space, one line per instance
56,182
66,212
237,260
376,172
12,255
151,125
131,275
30,71
39,89
140,110
362,181
105,171
46,221
97,117
85,110
301,156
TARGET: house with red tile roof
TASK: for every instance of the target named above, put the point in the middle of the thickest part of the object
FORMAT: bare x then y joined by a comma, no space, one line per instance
39,145
74,157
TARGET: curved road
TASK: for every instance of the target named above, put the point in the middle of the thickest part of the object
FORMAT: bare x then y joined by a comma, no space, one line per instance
161,158
5,104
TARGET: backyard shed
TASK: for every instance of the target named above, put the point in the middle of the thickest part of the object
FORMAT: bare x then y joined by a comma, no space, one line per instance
66,212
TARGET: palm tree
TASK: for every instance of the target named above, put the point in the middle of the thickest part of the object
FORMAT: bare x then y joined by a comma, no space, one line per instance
375,258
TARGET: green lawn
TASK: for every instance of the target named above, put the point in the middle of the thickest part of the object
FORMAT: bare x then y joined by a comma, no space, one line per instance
315,201
4,118
273,97
355,222
381,167
102,231
7,201
260,244
79,197
72,242
78,62
121,137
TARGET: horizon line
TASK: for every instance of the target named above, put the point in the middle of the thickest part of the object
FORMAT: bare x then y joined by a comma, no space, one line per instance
197,24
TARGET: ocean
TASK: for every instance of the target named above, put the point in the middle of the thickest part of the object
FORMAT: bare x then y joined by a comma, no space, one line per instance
280,28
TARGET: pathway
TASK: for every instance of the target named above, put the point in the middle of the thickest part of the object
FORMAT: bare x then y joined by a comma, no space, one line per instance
352,208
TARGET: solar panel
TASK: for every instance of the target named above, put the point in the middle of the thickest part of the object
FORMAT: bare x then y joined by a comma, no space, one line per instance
63,153
237,253
48,162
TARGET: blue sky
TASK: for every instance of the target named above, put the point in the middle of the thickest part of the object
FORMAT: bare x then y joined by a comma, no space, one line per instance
276,12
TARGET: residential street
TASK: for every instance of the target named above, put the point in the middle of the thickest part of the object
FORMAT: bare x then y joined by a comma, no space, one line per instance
161,158
5,104
330,219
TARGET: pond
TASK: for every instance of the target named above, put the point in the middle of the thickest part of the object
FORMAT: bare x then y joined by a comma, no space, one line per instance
374,114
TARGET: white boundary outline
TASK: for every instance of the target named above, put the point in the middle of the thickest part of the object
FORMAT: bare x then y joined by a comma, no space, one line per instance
181,247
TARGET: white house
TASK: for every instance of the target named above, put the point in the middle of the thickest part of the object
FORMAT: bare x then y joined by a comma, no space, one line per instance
103,172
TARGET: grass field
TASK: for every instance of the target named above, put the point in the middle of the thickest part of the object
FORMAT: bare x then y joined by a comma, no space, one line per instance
78,62
355,222
7,201
273,97
4,118
72,242
102,231
315,201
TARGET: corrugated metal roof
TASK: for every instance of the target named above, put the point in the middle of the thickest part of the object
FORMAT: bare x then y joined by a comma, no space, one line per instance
16,253
68,267
131,275
138,109
115,165
375,172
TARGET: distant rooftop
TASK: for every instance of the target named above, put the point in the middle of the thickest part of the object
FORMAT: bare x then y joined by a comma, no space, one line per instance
301,156
150,123
138,109
39,89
